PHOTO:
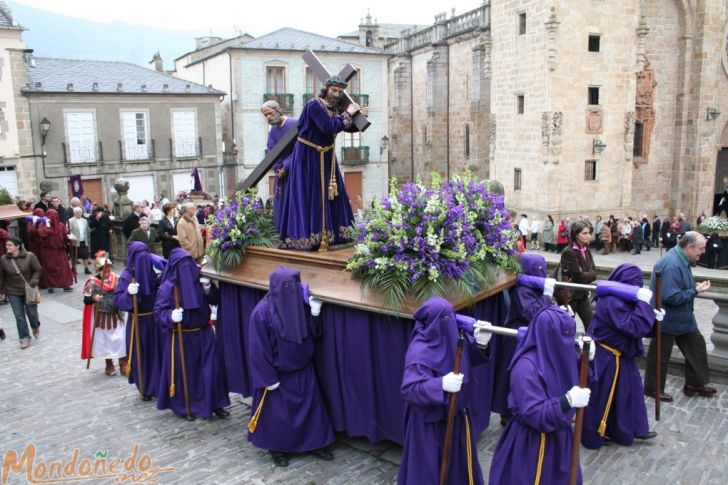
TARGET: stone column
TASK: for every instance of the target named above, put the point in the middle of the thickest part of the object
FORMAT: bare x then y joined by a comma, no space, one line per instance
718,357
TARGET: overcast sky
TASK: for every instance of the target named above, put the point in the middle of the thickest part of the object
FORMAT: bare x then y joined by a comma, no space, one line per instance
255,17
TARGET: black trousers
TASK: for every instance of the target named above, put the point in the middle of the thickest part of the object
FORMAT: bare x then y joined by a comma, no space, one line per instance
583,308
692,346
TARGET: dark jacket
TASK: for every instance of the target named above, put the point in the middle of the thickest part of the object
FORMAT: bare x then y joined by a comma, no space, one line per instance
100,233
678,293
27,264
656,226
166,231
139,235
130,223
578,269
646,229
637,235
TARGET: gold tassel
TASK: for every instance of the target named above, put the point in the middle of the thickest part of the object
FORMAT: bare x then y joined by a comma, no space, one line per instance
253,423
333,187
602,428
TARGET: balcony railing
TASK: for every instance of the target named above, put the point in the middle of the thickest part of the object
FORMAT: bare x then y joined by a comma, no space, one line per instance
134,151
284,99
355,154
185,147
360,99
307,97
82,152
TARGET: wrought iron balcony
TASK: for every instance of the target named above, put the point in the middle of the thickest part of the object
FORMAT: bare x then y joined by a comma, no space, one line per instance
355,154
284,99
82,152
360,99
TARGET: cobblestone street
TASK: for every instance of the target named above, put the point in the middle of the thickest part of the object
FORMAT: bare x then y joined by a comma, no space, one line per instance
50,400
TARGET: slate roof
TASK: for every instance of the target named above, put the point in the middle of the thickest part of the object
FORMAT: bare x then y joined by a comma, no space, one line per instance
55,75
298,40
390,31
7,20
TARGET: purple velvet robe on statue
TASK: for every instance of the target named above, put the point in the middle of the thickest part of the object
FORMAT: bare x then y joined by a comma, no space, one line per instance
431,355
293,417
543,369
301,223
204,365
525,303
149,334
284,162
619,324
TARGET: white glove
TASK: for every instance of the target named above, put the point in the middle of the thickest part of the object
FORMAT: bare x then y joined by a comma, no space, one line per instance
592,347
578,397
273,387
315,306
645,295
660,314
452,382
177,315
482,336
548,286
48,223
35,219
133,288
213,312
205,284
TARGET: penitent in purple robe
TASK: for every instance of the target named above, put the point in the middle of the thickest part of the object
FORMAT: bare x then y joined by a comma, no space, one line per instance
284,162
204,365
620,325
543,369
431,355
525,303
293,417
301,217
149,334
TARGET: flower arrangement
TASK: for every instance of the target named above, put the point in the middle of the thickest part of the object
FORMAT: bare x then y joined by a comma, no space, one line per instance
242,221
713,224
184,195
446,239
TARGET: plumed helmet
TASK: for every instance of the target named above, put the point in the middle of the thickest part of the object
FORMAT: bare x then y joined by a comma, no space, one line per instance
102,259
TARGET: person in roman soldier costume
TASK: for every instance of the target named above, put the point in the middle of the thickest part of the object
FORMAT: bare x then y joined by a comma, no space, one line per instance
104,331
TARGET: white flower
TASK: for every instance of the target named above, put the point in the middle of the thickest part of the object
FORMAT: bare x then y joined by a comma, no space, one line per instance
432,273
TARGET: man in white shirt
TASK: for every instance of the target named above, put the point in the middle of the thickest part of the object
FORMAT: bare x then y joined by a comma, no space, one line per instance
523,228
535,230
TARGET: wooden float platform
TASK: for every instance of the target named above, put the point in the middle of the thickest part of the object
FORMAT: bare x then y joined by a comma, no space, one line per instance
325,273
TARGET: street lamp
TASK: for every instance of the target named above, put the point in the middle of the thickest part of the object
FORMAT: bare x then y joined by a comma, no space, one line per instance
598,146
45,127
385,143
713,113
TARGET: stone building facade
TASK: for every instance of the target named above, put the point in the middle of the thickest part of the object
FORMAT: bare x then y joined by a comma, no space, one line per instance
16,169
271,67
577,107
111,120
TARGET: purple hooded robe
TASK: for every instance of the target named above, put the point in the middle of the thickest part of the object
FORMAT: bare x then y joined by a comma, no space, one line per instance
151,343
431,355
301,221
543,369
293,417
525,303
284,162
204,365
620,325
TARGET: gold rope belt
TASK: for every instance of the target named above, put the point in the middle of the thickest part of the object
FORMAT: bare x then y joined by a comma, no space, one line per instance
333,190
469,448
146,314
541,453
172,390
617,354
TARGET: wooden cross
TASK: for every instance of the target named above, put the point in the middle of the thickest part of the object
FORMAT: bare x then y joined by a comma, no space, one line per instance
319,71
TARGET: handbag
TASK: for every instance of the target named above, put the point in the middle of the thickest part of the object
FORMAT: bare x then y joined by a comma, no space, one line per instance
32,295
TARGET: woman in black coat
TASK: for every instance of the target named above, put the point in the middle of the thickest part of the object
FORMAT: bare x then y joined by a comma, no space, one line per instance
100,225
167,229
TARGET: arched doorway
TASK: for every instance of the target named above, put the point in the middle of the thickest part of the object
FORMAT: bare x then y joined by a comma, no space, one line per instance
721,173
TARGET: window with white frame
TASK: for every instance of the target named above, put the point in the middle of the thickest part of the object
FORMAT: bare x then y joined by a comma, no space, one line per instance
81,135
184,133
351,140
134,126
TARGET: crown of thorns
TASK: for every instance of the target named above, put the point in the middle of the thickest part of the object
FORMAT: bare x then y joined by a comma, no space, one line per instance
336,81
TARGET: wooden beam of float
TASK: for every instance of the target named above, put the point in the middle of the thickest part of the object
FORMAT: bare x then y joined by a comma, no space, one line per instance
324,273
